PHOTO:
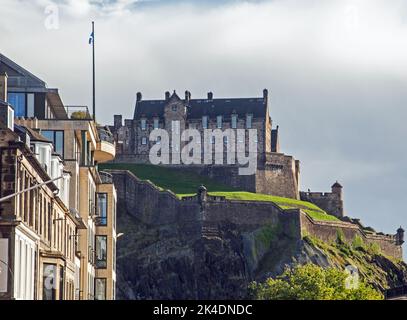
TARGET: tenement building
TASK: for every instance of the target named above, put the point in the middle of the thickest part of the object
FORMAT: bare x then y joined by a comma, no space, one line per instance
58,239
276,174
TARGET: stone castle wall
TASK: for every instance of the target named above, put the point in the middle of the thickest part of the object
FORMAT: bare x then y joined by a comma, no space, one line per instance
152,206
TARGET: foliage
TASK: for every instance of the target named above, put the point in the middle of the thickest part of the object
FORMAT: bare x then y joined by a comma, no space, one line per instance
78,115
311,282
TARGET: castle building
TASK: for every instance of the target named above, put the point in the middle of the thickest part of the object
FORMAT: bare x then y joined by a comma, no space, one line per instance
65,141
276,174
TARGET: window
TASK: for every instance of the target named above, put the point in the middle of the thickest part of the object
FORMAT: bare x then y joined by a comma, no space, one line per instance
249,119
225,140
100,289
49,282
234,121
30,105
174,108
17,100
57,138
61,283
205,122
101,252
219,122
144,141
102,208
158,140
143,124
156,124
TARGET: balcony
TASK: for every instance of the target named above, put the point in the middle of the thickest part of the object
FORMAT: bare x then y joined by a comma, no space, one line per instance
78,113
106,149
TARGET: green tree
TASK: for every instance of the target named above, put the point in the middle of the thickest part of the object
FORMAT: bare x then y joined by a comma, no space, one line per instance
311,282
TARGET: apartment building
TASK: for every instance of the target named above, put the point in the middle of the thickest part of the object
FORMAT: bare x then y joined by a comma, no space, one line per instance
79,144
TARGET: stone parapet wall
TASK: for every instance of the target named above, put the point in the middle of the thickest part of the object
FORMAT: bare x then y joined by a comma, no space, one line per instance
328,231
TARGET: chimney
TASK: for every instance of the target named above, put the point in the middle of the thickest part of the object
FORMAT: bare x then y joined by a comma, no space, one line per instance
167,95
265,94
139,96
187,96
118,121
3,87
210,96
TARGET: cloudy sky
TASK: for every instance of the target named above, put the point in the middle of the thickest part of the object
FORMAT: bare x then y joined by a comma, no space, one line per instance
337,72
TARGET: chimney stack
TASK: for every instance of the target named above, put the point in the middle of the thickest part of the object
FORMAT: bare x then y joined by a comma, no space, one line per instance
139,96
118,121
210,96
187,96
3,87
265,94
167,95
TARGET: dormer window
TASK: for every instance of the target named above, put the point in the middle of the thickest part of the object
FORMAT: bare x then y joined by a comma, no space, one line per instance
143,124
219,120
205,122
234,121
249,120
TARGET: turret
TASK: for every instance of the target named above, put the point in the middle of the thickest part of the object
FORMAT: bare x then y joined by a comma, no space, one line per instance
400,236
337,189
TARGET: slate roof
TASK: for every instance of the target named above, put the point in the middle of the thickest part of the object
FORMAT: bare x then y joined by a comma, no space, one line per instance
203,107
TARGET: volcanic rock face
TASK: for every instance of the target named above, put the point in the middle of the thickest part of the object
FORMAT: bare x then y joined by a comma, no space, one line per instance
172,261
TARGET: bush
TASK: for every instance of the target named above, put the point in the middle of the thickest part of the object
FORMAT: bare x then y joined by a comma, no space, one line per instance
311,282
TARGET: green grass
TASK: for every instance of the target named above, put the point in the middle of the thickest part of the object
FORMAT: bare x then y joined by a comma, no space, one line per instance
185,183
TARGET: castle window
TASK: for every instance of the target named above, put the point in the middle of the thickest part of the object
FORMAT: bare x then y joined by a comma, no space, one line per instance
249,120
234,121
144,141
143,124
156,124
219,122
205,122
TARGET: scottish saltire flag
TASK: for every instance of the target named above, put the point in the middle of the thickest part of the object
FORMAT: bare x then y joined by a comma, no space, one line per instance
91,38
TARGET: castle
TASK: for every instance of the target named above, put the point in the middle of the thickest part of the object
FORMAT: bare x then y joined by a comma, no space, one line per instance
277,173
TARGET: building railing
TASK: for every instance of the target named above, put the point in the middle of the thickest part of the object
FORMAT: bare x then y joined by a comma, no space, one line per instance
106,177
106,135
78,113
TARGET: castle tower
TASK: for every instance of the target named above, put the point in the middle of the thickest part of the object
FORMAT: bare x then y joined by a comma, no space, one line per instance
400,236
337,189
337,192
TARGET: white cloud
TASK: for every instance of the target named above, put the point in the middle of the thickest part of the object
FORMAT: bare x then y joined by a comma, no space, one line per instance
336,69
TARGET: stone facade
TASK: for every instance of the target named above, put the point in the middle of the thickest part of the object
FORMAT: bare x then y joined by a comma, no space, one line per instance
277,173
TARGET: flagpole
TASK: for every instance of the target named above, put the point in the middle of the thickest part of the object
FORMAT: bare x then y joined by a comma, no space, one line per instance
94,73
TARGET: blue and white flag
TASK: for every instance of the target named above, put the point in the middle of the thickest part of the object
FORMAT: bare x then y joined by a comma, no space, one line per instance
91,38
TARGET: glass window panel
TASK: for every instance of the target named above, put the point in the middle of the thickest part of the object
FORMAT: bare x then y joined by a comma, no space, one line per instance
30,105
101,252
49,282
205,122
100,289
219,122
249,121
102,208
17,100
234,121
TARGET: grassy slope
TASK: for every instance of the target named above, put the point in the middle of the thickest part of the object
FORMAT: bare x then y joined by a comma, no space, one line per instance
186,184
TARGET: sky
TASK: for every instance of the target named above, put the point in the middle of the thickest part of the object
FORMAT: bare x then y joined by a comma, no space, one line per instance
336,72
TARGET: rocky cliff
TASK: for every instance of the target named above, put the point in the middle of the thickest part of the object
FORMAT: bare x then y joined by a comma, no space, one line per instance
179,260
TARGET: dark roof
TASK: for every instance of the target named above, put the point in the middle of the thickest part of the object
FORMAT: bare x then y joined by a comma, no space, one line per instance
337,185
203,107
35,135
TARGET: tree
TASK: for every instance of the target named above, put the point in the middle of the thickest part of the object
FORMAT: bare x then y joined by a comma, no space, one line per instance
311,282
